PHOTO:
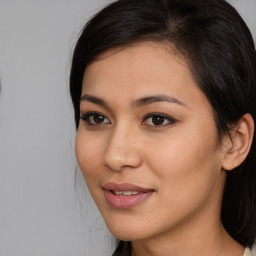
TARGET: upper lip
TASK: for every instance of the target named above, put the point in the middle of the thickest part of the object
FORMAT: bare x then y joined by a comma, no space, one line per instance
125,187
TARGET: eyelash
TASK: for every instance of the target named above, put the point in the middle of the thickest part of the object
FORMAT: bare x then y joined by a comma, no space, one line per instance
88,115
167,119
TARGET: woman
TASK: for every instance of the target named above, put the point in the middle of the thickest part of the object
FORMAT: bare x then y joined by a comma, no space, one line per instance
164,93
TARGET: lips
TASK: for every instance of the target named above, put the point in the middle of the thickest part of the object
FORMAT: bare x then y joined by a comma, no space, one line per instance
125,195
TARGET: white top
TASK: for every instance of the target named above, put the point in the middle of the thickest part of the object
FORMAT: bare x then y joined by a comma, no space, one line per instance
247,252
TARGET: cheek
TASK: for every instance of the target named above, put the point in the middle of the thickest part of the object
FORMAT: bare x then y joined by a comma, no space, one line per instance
185,158
88,152
187,171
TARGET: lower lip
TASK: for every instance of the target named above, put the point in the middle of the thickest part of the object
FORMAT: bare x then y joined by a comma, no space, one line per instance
122,202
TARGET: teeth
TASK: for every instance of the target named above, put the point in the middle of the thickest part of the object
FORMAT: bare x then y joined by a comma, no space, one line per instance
125,193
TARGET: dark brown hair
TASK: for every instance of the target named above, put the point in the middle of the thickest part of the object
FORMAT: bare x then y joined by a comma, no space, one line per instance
220,51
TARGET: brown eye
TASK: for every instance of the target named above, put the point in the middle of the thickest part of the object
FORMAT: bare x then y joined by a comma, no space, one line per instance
157,120
95,118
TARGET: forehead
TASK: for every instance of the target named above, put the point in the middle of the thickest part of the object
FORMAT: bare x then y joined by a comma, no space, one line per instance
137,59
132,71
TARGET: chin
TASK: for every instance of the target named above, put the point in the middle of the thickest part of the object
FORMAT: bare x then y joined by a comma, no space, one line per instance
126,236
126,231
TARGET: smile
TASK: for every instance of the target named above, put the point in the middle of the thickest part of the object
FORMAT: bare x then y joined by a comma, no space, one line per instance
125,195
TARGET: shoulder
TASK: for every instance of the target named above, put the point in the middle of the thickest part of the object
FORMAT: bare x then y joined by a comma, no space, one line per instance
247,252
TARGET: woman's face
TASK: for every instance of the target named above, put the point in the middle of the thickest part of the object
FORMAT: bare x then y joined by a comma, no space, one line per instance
147,144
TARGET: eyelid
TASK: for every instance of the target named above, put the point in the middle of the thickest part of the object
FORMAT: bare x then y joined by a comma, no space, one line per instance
167,117
170,120
87,115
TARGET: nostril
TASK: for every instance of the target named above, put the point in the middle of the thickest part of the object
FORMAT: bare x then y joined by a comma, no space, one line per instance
122,150
120,160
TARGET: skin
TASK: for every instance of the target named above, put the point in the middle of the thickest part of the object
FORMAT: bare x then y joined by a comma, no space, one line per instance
180,159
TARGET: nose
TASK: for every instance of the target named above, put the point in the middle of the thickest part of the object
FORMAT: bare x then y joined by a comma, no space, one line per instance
122,150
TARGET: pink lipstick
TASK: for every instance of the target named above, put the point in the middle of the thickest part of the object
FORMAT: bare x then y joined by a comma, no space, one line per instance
125,195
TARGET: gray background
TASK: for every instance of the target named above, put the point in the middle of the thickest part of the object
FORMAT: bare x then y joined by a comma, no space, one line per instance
42,212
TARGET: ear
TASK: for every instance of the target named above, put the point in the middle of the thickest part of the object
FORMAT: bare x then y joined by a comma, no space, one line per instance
238,146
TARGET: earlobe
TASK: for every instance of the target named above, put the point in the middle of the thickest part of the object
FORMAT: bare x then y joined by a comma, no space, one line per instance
240,143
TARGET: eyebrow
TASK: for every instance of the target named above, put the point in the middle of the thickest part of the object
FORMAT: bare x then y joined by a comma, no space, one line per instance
93,99
156,98
136,103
